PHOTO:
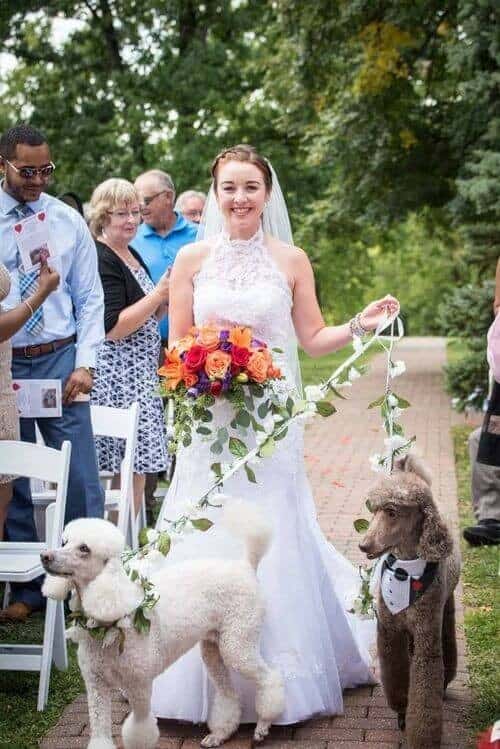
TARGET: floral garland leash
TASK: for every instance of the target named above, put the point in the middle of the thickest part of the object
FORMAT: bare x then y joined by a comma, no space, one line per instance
315,402
396,444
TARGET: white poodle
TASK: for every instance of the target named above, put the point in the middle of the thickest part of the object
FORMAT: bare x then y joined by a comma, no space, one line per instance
212,601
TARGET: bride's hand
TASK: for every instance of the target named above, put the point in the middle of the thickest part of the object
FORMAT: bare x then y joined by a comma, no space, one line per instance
373,314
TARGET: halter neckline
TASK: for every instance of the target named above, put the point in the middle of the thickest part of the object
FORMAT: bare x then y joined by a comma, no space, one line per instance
237,243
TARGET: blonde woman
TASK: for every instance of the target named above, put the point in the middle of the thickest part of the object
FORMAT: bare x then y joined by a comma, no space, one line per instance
128,359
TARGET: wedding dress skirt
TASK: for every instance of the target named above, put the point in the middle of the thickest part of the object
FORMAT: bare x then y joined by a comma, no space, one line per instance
308,587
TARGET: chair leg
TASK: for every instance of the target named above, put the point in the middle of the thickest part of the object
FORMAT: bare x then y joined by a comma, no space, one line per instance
6,595
60,650
47,650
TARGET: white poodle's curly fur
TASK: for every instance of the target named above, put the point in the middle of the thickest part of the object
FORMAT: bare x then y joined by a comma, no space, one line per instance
214,602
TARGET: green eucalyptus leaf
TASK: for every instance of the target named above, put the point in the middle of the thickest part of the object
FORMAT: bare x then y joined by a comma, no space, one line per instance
263,409
216,448
368,506
402,402
206,416
237,447
217,469
121,640
256,389
325,408
277,350
222,435
164,543
243,418
134,575
267,448
204,430
377,402
250,474
281,435
186,440
361,525
143,537
289,405
201,524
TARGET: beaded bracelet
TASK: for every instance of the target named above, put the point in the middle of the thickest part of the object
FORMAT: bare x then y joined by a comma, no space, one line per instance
356,326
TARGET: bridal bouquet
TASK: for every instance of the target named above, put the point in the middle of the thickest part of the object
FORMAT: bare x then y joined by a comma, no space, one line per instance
213,362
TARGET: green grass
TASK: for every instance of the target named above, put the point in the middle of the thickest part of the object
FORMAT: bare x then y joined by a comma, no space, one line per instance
21,726
315,371
480,566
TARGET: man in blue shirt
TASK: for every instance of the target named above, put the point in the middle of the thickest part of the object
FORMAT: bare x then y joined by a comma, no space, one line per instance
163,231
59,343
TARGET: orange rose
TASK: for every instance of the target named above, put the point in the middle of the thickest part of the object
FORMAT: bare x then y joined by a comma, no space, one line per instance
274,373
171,369
217,364
267,356
208,337
241,337
185,343
190,378
257,366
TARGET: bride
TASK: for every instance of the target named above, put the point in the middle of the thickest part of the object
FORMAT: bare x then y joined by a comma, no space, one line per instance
246,271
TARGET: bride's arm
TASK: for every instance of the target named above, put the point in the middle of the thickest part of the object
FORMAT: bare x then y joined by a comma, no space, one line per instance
314,336
180,318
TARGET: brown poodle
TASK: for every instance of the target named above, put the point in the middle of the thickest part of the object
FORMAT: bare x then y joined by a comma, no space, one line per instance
415,607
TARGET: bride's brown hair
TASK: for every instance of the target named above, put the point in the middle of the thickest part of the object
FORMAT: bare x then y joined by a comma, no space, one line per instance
248,154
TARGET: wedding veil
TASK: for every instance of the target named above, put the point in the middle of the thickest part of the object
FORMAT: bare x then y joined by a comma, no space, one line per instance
276,222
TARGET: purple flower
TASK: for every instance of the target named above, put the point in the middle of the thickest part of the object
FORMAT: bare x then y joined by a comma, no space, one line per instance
193,392
203,383
226,381
223,335
226,346
257,344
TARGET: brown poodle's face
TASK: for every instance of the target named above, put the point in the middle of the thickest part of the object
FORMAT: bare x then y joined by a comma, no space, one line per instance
390,524
77,560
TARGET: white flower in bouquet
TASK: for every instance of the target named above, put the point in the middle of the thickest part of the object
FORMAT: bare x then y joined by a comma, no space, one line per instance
396,412
268,424
261,437
353,374
313,393
398,368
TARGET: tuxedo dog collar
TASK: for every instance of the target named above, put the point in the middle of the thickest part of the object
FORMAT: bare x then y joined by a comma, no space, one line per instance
404,581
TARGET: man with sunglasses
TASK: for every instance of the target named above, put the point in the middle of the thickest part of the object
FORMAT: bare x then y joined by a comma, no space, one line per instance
59,343
163,231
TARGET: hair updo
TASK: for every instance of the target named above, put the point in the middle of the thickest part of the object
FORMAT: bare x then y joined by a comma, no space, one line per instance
247,154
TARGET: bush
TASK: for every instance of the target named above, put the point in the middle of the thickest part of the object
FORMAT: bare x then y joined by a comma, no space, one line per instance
467,380
468,313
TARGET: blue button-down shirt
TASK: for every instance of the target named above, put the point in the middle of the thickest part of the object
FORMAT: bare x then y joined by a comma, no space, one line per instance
77,305
158,253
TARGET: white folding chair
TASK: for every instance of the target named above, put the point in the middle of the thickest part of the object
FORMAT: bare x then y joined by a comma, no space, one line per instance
20,562
121,422
112,422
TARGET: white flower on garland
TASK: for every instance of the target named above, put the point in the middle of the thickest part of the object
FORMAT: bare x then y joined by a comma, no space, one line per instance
357,344
398,368
377,463
353,374
314,393
395,443
151,535
392,400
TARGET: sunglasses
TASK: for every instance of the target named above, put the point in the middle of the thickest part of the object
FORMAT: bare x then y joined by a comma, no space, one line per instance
28,172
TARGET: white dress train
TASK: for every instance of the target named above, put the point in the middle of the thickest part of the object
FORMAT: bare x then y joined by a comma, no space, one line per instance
308,586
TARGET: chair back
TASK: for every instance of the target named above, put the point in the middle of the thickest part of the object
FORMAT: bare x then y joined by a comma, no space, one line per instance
108,421
44,463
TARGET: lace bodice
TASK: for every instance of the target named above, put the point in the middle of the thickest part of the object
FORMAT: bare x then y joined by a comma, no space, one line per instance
239,283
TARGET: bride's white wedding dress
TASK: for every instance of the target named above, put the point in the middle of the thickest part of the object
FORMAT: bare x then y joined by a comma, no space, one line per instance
308,586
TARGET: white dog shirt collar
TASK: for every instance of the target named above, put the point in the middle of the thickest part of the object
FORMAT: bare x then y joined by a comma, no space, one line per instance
403,581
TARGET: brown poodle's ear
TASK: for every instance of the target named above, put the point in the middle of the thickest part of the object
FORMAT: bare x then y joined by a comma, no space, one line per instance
111,595
410,463
435,540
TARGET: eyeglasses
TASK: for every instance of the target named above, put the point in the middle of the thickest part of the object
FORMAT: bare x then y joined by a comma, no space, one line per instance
192,214
147,201
28,172
125,214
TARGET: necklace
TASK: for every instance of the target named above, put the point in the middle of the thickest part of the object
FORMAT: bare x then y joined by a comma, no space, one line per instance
123,254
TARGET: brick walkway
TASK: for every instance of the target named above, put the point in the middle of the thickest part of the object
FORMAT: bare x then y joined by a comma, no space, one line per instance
337,450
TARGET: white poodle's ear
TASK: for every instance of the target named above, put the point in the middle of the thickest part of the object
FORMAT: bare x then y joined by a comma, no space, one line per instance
111,595
55,586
